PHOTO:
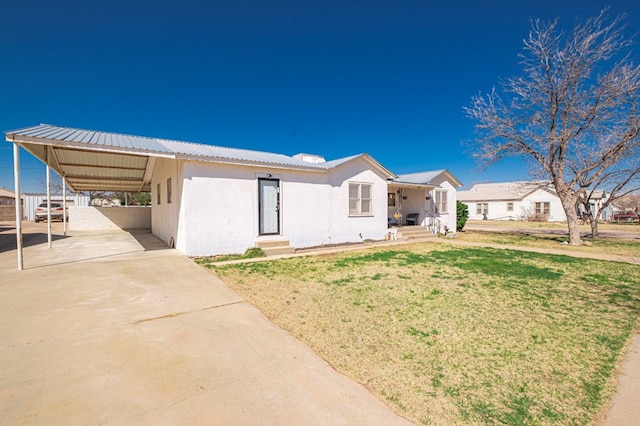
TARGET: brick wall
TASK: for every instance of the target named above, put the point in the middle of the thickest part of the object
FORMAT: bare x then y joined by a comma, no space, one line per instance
8,213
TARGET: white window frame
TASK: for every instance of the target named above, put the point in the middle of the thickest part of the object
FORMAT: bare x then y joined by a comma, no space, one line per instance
542,207
169,191
482,208
510,207
358,203
441,200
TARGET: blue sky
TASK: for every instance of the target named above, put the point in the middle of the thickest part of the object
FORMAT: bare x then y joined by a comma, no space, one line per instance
327,77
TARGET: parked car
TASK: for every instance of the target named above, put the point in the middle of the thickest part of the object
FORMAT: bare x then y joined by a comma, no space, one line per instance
621,216
56,212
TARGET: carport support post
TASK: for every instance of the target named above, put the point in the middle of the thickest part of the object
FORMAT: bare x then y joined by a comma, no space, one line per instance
64,205
16,182
48,205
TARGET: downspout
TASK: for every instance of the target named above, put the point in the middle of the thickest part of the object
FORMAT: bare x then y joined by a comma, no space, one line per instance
16,178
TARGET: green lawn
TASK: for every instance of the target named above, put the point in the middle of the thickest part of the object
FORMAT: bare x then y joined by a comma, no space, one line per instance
457,335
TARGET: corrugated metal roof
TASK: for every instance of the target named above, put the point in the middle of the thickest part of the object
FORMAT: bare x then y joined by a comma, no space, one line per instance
503,191
426,178
150,146
420,177
95,160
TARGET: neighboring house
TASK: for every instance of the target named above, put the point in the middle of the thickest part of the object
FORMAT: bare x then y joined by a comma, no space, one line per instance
7,204
533,201
513,201
7,198
425,198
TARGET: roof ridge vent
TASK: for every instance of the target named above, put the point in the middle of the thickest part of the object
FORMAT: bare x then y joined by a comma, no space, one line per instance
310,158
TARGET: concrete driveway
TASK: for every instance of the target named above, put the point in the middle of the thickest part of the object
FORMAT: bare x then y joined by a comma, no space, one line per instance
115,328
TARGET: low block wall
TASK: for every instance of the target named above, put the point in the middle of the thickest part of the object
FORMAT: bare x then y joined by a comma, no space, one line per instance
99,218
8,213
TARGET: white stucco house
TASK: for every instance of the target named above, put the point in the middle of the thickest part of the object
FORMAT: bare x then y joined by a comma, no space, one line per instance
513,201
214,207
209,200
533,200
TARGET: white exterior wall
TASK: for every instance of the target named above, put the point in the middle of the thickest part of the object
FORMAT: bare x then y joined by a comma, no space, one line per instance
521,208
215,206
165,216
449,218
498,210
304,203
556,212
345,228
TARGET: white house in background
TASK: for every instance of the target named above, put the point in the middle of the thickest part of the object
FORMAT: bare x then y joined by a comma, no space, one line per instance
424,198
513,201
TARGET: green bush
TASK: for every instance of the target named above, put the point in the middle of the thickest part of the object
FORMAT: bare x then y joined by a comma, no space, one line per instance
462,214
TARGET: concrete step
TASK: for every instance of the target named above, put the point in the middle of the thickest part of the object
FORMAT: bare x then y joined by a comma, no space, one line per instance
273,247
415,233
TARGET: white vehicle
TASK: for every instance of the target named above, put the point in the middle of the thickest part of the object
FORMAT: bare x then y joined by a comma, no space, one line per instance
56,212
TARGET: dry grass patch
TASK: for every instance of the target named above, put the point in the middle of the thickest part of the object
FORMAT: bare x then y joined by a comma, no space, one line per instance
451,335
607,246
585,227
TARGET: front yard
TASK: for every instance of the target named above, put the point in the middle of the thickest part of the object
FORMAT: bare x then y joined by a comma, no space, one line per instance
458,335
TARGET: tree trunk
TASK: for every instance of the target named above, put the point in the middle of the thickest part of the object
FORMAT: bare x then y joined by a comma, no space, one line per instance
569,206
593,220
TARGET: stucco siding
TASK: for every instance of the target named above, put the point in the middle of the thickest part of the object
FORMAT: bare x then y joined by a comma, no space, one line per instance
522,209
218,206
215,207
165,215
346,228
305,201
448,218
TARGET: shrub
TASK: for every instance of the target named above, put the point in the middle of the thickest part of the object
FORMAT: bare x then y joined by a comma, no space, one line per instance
462,214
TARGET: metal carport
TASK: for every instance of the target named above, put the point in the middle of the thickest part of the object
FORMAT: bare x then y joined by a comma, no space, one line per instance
86,161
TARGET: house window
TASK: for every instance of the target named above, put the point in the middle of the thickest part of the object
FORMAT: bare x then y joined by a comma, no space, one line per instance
391,199
543,208
441,202
158,194
482,209
359,199
509,207
169,191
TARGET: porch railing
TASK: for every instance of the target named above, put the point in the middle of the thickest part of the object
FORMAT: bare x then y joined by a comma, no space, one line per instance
433,223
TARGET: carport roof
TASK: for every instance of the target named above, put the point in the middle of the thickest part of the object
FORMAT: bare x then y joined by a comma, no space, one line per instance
92,160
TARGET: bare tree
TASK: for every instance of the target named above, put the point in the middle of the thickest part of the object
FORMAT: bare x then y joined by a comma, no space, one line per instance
619,182
55,183
573,114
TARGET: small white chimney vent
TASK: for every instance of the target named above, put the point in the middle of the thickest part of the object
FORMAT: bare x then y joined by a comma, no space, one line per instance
310,158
